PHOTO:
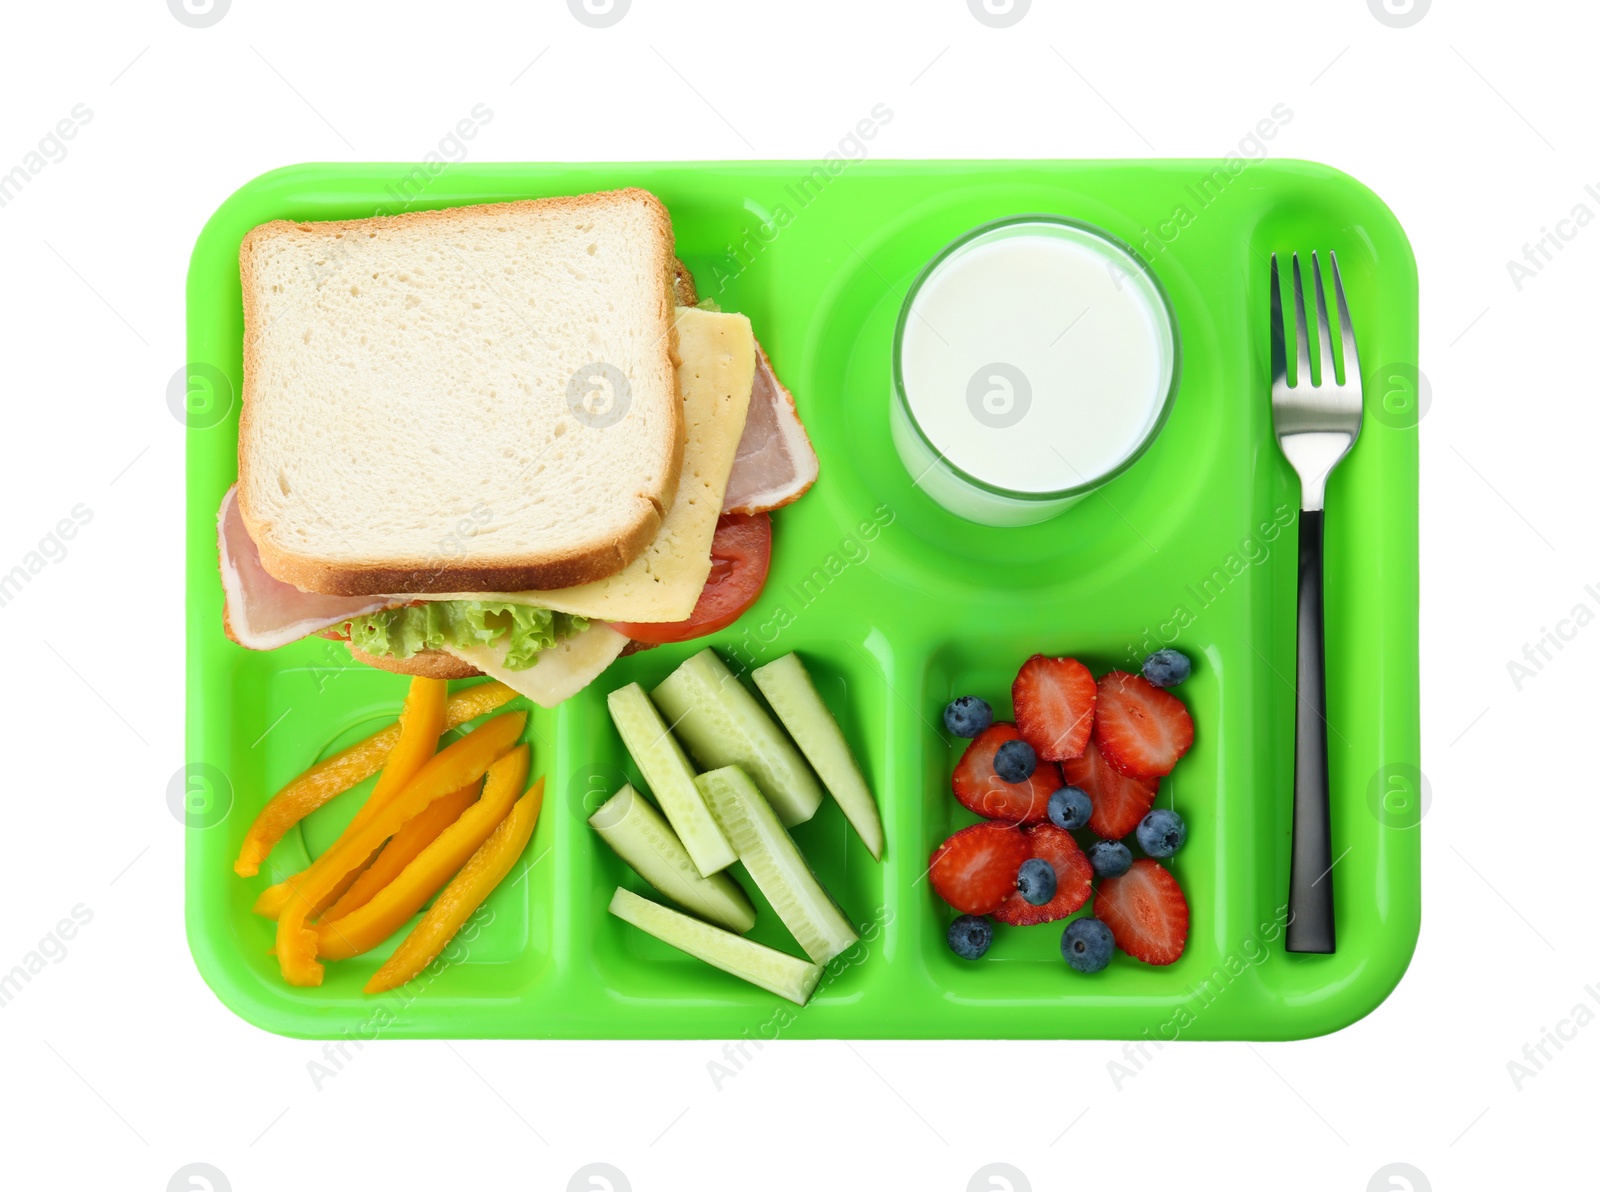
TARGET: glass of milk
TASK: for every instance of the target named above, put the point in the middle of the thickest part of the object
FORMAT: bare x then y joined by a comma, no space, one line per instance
1035,358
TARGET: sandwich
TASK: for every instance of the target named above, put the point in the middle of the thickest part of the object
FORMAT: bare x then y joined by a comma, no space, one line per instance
503,439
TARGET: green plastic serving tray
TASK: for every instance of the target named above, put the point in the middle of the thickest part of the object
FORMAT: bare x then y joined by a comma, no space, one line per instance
897,606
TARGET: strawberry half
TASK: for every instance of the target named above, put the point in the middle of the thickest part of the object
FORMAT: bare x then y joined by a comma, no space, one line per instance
976,869
1120,802
981,790
1054,701
1073,875
1146,912
1142,730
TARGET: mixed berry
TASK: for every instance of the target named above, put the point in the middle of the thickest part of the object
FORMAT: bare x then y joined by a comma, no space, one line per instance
1083,756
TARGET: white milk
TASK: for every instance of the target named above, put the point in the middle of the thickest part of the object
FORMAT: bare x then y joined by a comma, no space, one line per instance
1036,358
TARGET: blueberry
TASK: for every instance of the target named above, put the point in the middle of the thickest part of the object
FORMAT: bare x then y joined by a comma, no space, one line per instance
1166,668
970,936
1070,808
1087,945
967,716
1110,858
1161,833
1036,881
1015,761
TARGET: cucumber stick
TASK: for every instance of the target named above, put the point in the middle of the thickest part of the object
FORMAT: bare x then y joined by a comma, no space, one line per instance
723,725
669,776
793,696
641,837
787,976
775,864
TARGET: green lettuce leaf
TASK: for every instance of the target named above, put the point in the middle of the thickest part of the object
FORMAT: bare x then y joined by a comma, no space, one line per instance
521,629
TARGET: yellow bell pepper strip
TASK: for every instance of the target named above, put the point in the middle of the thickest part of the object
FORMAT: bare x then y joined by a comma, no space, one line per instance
421,722
404,847
448,770
271,900
328,779
368,926
477,879
338,891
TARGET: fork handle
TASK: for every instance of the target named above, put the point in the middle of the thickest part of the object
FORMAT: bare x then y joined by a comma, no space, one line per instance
1310,927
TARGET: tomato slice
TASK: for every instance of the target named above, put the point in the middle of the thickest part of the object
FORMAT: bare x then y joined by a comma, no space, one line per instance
741,552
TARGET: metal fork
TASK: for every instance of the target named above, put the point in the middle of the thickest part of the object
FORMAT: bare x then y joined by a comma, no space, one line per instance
1316,420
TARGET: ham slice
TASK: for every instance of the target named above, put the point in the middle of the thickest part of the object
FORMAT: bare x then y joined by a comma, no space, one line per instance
775,463
263,613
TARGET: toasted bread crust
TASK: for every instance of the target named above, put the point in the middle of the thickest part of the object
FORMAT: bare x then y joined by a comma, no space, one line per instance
425,664
344,579
549,570
683,285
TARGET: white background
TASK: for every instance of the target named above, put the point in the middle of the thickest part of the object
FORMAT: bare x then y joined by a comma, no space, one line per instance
1475,125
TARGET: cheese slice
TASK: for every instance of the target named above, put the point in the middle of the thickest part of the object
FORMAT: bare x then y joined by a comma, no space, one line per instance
718,361
561,672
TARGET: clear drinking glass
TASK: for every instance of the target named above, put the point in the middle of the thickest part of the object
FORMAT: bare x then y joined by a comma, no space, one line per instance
1034,359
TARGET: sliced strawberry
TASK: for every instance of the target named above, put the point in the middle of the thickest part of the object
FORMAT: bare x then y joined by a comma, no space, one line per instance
1146,912
1054,702
1073,875
980,789
976,869
1119,802
1142,730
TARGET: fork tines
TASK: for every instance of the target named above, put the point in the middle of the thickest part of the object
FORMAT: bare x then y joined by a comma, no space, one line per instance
1327,373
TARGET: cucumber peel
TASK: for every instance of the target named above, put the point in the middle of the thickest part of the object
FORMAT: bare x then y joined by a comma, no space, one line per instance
793,696
777,972
776,864
723,725
643,838
669,776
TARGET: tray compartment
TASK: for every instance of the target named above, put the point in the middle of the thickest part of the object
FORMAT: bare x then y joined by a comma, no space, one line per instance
327,702
643,969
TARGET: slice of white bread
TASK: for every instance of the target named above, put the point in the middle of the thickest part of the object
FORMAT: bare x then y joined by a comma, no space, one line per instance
436,664
715,373
429,399
426,664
